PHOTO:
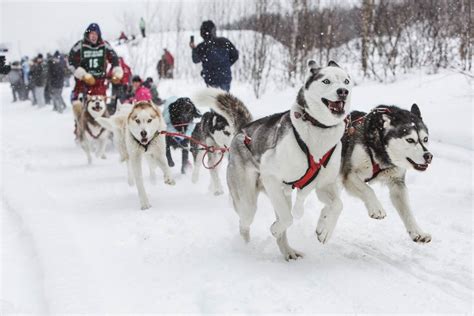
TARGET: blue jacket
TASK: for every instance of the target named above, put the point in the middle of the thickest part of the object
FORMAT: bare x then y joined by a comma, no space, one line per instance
217,54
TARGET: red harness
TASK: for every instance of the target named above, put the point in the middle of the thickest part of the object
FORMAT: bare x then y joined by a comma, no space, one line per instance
313,166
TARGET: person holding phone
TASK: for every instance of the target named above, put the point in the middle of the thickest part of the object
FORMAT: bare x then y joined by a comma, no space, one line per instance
217,55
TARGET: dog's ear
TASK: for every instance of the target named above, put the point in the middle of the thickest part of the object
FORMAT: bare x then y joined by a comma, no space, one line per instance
386,121
332,63
415,110
197,113
88,98
313,69
311,63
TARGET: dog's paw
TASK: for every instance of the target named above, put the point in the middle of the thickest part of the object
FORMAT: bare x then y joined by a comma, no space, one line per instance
324,230
170,181
145,206
420,237
218,192
245,234
377,213
291,254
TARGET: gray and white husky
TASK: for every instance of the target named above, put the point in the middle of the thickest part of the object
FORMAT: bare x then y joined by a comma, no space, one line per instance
215,130
381,146
300,148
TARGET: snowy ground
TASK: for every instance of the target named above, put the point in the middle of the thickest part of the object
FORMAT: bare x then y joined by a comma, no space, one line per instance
74,240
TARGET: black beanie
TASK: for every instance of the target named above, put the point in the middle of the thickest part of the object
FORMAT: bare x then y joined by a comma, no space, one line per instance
208,29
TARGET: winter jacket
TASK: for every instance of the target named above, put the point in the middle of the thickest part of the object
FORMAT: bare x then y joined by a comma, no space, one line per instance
167,117
39,74
217,55
25,66
55,73
15,76
93,57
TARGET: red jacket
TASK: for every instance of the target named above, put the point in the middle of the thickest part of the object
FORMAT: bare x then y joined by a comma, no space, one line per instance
169,58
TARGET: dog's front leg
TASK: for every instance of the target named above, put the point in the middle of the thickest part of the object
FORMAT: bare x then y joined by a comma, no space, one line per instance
281,203
101,148
136,163
363,191
130,178
162,163
329,195
399,197
216,186
168,152
151,166
298,207
87,149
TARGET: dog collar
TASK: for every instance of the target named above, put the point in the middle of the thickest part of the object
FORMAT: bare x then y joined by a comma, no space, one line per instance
306,117
147,144
313,167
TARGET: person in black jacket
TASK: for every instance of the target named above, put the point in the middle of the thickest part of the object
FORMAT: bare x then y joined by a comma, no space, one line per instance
56,81
39,76
217,55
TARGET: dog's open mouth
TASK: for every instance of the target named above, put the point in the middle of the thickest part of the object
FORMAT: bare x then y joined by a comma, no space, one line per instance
336,107
419,167
97,108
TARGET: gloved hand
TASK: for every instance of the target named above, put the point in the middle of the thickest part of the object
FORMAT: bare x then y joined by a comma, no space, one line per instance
89,79
117,74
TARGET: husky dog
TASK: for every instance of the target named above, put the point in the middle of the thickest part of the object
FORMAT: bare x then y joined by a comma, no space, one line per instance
299,148
137,132
88,132
381,146
214,130
179,114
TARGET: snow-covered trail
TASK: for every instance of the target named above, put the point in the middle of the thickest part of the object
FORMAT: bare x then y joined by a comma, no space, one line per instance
89,248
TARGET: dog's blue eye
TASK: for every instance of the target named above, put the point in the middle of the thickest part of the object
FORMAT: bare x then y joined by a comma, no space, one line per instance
326,81
346,81
410,140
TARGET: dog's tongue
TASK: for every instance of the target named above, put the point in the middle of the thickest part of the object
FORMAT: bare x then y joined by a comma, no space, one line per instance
337,106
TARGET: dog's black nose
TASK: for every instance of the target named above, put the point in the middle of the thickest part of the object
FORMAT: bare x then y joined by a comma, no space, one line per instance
428,157
342,92
97,103
143,133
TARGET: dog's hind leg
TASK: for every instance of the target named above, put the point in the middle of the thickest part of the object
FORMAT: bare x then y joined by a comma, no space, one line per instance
136,163
399,197
244,192
184,156
330,196
355,186
216,186
197,165
280,198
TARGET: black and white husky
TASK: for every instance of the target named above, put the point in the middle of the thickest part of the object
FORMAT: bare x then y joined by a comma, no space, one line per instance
215,130
381,146
300,148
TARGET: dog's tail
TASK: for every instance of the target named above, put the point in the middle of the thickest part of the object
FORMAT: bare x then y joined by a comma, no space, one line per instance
225,104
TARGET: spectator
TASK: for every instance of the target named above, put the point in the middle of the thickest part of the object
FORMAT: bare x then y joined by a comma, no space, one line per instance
122,38
119,86
39,76
31,86
56,82
166,65
47,87
137,91
217,55
154,91
142,27
16,81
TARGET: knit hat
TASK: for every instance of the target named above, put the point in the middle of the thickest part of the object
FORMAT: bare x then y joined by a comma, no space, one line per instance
208,29
142,94
93,27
